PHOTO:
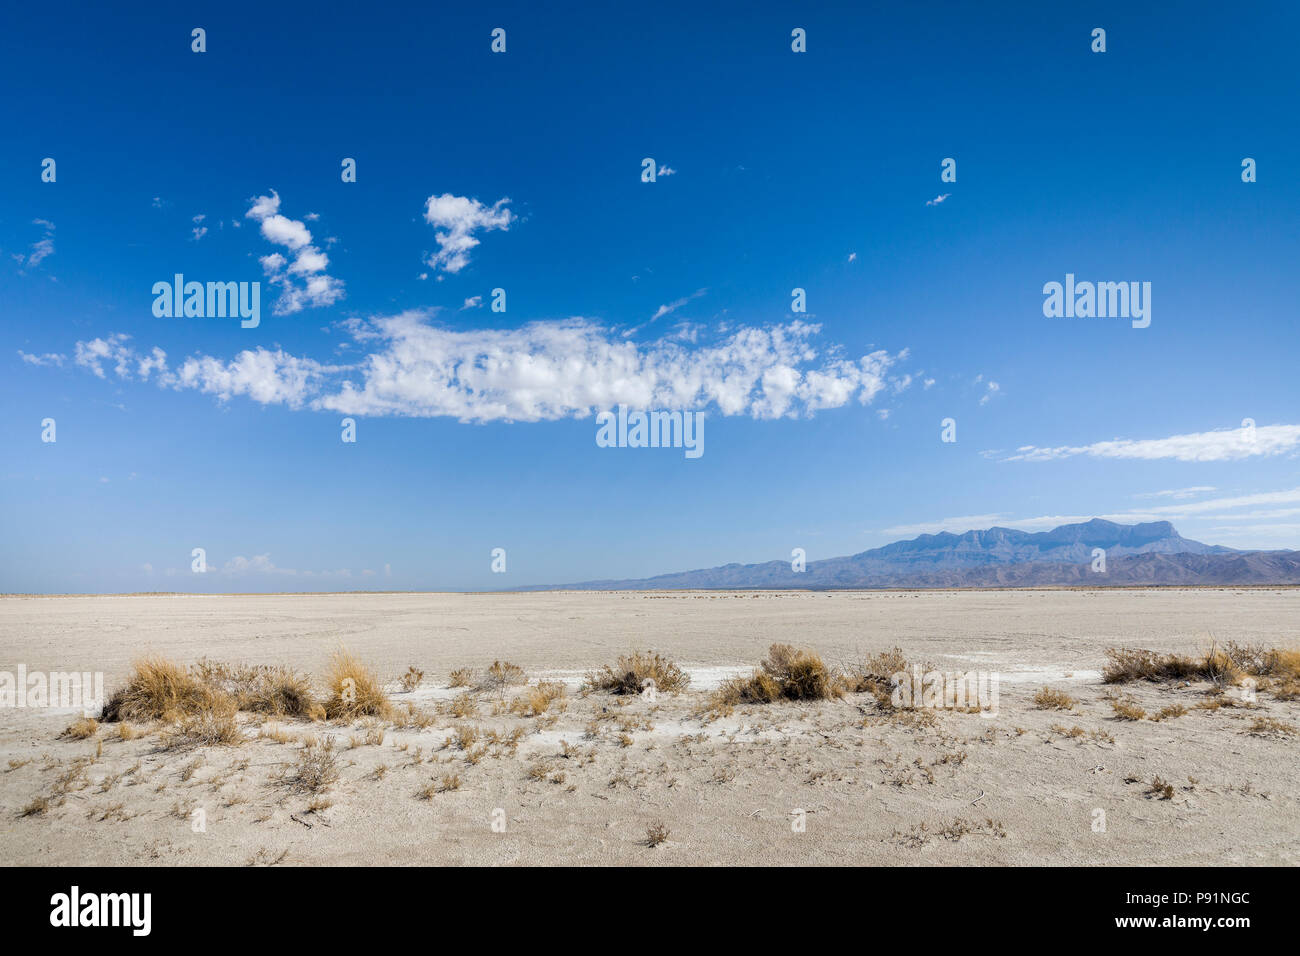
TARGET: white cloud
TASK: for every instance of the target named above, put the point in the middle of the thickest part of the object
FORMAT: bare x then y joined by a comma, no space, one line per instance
304,283
473,302
49,358
456,219
1231,444
542,371
1178,493
676,304
42,249
852,256
937,199
991,389
666,171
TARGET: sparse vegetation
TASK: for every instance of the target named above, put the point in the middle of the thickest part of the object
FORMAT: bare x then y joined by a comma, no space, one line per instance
1271,727
1127,710
500,675
786,674
1049,698
462,677
81,729
656,833
630,674
354,691
317,768
411,679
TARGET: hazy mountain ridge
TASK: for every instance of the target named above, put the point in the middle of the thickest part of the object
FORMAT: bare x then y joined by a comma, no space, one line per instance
1148,553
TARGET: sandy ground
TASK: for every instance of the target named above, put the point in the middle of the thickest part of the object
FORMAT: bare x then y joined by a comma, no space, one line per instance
835,782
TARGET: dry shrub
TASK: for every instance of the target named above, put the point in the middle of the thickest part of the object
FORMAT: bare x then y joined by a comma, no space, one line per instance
630,673
876,673
317,768
354,691
1173,710
259,688
81,729
160,689
787,674
1160,789
656,833
411,679
461,677
463,705
206,728
502,674
537,700
38,807
1127,710
1271,727
1051,699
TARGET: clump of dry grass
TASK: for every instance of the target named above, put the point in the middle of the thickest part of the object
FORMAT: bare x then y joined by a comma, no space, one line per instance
354,691
1049,698
317,768
411,679
81,729
39,806
259,688
1160,789
1271,727
876,674
461,677
656,833
502,674
629,675
463,705
1221,665
160,689
538,699
1173,710
205,729
787,673
1127,710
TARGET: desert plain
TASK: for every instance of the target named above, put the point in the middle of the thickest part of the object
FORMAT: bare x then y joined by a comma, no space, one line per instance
491,776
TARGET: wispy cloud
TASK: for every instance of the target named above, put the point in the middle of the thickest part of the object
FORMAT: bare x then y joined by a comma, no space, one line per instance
42,249
1178,493
937,199
455,220
1231,444
542,371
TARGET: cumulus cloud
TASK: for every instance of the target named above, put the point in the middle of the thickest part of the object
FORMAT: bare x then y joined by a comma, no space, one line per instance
303,282
542,371
455,220
1231,444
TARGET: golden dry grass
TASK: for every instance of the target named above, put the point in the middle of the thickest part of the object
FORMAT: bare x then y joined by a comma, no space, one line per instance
354,691
629,675
1049,698
502,674
160,689
81,729
461,677
787,673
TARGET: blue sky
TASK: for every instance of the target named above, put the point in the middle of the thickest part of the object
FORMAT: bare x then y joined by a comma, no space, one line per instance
522,171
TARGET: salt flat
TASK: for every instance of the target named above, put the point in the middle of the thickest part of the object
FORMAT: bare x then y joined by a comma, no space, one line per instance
581,784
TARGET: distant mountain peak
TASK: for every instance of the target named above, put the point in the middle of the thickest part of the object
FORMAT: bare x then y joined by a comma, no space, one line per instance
1147,552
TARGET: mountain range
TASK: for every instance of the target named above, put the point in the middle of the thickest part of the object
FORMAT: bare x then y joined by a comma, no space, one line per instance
1140,554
